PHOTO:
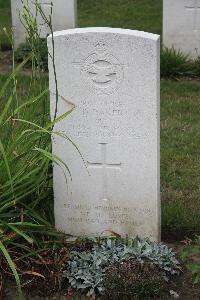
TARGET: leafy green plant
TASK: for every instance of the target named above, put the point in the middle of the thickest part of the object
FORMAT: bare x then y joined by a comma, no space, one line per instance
197,66
26,213
26,196
87,269
132,279
41,53
34,43
190,251
174,63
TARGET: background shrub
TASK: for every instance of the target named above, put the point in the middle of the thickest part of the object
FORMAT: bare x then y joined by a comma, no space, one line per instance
197,66
40,51
174,63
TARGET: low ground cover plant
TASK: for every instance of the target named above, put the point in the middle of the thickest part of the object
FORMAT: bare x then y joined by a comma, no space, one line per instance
87,269
132,279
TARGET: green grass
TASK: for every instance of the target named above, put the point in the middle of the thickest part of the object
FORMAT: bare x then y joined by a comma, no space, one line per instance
143,15
5,20
5,15
180,155
26,194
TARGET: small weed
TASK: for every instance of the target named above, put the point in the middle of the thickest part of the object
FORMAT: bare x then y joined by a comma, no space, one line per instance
192,253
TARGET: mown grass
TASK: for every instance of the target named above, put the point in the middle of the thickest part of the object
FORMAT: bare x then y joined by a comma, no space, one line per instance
180,155
143,15
5,20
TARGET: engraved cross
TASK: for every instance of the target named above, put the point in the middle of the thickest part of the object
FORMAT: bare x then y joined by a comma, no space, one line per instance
46,3
104,166
195,8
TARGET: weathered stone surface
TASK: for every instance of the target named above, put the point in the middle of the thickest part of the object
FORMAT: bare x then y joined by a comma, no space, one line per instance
63,15
112,78
181,25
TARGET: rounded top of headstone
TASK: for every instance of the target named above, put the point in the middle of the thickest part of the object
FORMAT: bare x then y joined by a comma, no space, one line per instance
130,32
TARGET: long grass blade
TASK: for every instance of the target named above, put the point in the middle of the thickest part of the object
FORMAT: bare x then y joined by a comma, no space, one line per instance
10,78
8,103
7,166
13,268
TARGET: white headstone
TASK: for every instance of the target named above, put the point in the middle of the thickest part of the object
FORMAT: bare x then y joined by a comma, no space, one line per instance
181,25
63,15
111,76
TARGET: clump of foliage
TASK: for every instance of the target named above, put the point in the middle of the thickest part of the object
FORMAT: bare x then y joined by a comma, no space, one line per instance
87,270
34,43
26,197
132,279
41,53
174,63
192,253
197,66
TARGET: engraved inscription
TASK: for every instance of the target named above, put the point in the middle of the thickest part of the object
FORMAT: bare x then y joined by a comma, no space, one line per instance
104,165
105,214
195,9
110,118
102,73
101,70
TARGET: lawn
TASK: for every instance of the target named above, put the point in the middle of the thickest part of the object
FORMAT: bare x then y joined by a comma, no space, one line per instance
5,20
143,15
180,155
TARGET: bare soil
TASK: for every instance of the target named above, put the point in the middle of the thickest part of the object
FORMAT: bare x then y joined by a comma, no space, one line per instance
6,65
5,62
